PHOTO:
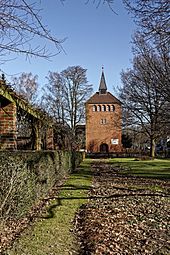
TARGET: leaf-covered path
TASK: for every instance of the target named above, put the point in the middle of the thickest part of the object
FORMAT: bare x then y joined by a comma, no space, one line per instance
125,215
52,232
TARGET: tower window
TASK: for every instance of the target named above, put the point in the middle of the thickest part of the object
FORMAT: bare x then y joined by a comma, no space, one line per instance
103,108
103,122
108,108
99,108
112,108
94,108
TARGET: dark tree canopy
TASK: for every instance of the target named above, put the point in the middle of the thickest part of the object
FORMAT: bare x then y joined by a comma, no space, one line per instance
126,141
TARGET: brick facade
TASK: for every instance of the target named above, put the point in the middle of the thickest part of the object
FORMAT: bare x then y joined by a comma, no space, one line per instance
103,122
8,130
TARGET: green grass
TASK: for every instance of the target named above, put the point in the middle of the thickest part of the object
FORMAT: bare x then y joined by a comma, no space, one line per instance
51,234
157,168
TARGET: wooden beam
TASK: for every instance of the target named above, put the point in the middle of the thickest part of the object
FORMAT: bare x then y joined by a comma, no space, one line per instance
9,94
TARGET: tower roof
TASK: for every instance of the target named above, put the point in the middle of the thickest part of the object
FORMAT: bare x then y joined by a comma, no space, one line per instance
102,96
102,86
107,98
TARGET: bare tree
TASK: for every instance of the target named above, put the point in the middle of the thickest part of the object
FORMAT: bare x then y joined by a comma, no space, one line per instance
153,18
141,94
76,92
20,24
26,85
65,95
99,2
52,99
162,68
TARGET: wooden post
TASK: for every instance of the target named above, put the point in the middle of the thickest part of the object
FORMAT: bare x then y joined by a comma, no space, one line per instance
8,130
37,135
50,139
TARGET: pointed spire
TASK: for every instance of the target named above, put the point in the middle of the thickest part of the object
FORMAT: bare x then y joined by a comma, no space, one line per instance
102,86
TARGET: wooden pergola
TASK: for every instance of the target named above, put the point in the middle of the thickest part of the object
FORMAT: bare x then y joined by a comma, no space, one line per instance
10,102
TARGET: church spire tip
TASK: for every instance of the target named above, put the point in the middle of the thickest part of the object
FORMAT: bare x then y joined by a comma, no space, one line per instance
102,86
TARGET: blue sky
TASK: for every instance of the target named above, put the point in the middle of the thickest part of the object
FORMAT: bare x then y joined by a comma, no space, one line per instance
96,37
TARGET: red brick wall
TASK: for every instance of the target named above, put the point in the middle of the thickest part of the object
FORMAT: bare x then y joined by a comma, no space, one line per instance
103,127
8,127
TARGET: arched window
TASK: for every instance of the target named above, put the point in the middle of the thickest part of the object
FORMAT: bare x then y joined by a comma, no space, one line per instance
103,108
108,108
99,108
94,108
112,108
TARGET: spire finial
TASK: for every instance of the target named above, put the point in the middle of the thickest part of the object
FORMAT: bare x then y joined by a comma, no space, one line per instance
3,76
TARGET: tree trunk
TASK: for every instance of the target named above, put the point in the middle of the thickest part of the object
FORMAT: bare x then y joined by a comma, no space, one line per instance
152,149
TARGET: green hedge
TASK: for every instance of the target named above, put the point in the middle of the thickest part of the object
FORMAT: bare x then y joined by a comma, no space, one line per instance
26,177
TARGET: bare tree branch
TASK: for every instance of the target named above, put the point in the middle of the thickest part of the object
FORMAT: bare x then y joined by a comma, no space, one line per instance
20,25
143,93
152,17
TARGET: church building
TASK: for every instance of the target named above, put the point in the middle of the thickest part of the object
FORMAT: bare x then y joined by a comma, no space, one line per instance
103,121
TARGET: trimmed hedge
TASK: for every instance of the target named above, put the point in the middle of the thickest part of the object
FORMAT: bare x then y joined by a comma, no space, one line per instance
26,177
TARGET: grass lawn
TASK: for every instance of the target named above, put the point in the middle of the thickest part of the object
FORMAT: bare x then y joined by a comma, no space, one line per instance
157,168
51,233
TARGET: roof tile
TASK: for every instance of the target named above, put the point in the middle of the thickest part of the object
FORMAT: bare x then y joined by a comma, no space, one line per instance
107,98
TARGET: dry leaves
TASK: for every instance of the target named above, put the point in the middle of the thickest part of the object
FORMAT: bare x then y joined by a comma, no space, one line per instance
125,215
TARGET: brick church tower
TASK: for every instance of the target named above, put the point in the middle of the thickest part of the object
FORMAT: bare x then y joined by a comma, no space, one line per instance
103,121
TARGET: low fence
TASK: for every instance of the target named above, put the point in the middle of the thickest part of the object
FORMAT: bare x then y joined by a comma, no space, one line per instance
26,177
